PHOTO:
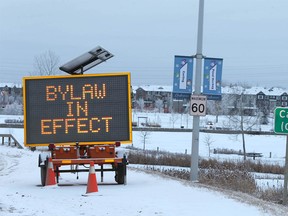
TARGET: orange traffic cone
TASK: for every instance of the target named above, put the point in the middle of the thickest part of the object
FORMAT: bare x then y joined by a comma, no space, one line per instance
92,181
50,175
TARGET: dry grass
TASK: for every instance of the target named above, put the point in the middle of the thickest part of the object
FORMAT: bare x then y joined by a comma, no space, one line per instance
227,174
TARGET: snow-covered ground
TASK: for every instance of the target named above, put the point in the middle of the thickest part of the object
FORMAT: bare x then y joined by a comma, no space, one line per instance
175,120
145,194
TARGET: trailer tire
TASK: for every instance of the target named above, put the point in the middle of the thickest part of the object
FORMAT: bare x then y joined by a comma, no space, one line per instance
120,174
43,170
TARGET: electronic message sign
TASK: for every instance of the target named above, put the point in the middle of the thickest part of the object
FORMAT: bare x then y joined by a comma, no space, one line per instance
88,109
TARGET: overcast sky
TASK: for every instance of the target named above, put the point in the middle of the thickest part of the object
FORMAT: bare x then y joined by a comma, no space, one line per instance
250,35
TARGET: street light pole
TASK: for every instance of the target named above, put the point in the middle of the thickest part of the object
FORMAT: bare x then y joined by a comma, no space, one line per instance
196,119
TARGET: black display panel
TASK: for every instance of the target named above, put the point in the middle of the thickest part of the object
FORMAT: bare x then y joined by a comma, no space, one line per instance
89,109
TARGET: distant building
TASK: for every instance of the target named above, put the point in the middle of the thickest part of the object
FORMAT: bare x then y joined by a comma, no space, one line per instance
150,94
250,100
254,99
268,100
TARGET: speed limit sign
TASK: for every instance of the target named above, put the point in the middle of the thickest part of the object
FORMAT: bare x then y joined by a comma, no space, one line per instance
198,105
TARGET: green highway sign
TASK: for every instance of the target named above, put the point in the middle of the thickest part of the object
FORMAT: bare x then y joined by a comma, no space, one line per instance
281,120
281,127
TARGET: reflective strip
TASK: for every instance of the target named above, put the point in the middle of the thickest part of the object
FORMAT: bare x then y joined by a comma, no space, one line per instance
109,160
66,161
92,170
50,163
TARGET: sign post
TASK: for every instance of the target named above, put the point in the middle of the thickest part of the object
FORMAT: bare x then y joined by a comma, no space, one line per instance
281,127
196,119
182,87
286,174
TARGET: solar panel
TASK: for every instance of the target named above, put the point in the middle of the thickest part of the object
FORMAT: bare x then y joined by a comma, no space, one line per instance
86,61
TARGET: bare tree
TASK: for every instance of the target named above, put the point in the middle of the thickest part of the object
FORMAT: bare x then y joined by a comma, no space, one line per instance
144,135
242,122
46,64
159,104
4,98
215,107
208,141
13,109
173,118
141,104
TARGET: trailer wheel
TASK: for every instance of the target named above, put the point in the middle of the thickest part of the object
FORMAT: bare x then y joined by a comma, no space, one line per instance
120,174
43,170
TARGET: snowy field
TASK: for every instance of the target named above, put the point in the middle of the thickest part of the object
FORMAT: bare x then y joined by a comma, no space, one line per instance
145,194
174,120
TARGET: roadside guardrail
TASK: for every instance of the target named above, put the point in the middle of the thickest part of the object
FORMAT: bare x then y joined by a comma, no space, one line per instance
10,140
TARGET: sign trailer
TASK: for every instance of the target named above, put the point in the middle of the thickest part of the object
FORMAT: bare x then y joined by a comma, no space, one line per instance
82,119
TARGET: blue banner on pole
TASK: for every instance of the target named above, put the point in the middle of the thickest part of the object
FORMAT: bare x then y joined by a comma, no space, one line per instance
212,78
183,73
